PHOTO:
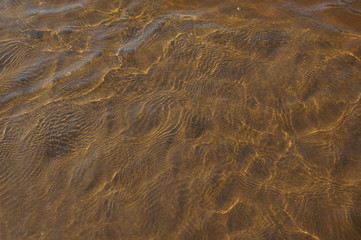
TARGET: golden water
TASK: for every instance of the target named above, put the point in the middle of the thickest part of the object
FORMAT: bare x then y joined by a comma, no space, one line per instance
180,120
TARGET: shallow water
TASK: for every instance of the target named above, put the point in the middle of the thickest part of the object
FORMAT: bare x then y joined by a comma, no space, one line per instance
180,119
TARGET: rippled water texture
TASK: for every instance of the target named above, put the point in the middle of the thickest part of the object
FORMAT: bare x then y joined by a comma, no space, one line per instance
180,120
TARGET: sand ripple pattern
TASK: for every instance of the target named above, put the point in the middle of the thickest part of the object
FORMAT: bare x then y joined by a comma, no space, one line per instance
184,120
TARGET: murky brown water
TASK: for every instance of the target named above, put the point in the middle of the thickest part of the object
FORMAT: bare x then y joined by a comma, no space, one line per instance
180,120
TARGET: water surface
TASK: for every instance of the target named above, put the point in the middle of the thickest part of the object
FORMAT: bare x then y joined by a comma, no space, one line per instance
180,119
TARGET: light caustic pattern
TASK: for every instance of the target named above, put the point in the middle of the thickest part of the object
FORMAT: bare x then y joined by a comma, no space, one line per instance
182,120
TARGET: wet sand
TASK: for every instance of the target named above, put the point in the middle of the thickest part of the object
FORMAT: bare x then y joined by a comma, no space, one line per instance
182,120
